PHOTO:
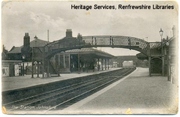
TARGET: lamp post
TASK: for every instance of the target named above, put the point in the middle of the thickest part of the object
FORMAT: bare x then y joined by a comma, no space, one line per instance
149,58
168,63
161,33
33,57
23,57
32,62
162,52
38,68
35,63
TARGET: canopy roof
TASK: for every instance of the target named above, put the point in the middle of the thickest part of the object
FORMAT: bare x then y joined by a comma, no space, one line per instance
90,51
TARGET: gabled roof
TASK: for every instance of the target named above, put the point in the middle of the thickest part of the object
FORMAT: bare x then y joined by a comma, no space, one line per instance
15,50
38,43
34,43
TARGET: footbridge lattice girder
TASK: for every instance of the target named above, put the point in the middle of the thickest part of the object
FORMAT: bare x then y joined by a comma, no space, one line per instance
97,41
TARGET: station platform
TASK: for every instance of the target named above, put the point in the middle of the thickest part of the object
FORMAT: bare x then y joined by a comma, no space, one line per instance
136,93
17,82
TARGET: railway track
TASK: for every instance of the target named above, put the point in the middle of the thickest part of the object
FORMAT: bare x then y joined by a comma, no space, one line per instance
62,97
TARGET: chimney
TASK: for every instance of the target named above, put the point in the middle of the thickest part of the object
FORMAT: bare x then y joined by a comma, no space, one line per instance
79,36
69,33
26,39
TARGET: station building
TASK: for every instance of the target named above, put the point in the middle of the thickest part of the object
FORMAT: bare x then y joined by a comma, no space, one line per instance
82,60
76,60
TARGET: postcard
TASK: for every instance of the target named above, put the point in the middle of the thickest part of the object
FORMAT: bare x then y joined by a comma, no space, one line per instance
89,57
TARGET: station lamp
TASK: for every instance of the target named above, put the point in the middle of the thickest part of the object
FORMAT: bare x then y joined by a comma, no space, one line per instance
162,51
161,33
23,57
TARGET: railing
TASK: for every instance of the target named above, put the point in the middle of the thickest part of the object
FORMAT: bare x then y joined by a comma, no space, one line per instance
97,41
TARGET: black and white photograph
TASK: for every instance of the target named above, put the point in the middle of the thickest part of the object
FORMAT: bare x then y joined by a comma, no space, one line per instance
89,57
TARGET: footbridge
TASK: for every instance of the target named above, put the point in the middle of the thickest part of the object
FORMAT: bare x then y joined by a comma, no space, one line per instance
68,43
153,51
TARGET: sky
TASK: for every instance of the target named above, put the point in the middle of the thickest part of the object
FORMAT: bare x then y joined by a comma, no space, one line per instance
36,18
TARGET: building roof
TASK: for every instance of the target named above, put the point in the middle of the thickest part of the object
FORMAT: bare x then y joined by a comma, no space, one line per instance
15,50
38,43
34,43
11,61
89,51
141,56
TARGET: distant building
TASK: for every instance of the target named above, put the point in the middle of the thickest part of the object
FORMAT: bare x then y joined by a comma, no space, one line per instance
115,64
137,62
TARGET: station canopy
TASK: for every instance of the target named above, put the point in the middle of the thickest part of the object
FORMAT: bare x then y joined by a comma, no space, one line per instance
90,51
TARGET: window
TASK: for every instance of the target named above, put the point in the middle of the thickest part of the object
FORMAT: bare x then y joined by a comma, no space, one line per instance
61,61
137,43
67,61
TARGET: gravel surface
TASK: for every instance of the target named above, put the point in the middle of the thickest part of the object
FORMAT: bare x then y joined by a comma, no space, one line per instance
139,93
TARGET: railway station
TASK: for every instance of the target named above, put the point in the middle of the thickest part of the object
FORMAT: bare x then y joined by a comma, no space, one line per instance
71,54
78,76
75,60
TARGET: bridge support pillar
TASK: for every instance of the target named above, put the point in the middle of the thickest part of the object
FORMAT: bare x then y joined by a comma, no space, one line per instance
163,65
32,75
48,68
108,64
43,62
98,65
102,63
38,69
58,70
58,65
78,63
149,65
64,63
42,66
105,64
